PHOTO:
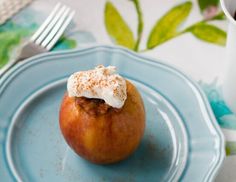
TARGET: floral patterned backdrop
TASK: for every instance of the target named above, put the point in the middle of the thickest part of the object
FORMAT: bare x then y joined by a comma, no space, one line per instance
189,35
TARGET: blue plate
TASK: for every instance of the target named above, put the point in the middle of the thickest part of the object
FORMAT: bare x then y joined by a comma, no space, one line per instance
182,140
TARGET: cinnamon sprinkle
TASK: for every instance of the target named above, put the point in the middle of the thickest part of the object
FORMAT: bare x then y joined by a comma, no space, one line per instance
100,83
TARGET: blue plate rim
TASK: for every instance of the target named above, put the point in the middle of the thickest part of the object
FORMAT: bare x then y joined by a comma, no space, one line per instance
176,175
198,92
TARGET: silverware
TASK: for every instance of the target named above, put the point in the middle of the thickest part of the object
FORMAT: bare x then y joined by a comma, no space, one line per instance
46,36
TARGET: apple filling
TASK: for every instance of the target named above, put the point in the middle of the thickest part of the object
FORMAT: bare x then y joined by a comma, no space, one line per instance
94,106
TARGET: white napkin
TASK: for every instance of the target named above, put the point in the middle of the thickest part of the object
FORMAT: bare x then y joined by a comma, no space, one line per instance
10,7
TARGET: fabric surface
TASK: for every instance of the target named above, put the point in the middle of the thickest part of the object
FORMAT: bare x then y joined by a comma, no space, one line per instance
189,35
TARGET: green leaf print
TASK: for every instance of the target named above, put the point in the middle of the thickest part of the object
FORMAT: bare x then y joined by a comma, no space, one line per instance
7,41
65,43
220,16
166,27
208,33
204,4
11,35
230,148
117,28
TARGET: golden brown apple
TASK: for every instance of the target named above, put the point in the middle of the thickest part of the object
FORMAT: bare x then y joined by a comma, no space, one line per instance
100,133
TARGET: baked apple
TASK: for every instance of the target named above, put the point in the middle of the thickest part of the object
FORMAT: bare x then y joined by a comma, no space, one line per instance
102,115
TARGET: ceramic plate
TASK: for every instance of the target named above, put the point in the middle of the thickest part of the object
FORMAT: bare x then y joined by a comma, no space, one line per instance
182,140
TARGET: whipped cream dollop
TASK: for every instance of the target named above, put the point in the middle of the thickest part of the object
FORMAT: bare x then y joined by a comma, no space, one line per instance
100,83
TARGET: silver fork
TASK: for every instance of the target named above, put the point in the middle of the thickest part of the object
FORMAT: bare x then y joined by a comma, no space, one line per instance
46,36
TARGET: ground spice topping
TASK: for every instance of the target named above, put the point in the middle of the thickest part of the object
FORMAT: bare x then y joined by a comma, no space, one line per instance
100,83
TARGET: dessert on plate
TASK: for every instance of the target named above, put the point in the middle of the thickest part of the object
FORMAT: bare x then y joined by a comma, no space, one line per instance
102,115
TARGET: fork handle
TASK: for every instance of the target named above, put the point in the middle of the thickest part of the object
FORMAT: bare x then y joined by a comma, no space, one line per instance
7,67
28,50
10,64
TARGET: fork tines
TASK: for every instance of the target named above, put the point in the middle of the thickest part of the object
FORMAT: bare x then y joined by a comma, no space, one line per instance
53,27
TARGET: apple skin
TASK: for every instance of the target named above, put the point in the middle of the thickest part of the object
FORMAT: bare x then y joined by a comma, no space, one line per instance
105,138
